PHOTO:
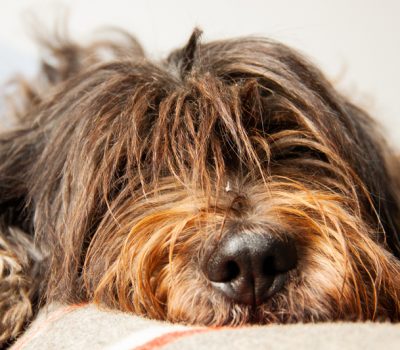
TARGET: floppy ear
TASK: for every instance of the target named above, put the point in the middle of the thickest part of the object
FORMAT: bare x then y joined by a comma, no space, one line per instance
379,169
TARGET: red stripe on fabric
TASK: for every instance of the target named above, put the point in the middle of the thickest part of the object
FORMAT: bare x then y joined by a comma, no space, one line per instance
170,338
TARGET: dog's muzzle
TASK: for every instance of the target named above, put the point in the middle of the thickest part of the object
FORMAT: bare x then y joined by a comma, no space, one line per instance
248,268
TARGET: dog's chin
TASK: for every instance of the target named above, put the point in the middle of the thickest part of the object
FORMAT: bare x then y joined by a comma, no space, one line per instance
279,309
228,313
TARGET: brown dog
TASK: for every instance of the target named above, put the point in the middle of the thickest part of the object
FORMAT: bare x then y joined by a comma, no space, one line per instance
227,184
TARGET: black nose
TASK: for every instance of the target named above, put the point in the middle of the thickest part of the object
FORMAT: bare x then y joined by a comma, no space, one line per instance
250,267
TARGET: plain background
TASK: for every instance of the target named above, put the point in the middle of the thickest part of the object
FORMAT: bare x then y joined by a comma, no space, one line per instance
355,42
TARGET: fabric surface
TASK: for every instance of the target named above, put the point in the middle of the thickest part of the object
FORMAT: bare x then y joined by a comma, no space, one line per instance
87,327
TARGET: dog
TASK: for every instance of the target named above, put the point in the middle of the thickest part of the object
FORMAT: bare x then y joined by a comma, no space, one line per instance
227,184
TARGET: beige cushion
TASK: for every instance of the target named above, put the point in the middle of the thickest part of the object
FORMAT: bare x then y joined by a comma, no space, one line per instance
87,327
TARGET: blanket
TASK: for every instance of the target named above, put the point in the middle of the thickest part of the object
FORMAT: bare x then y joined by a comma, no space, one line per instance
87,327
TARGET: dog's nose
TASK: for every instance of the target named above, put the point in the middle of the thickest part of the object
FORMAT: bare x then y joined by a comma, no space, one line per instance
249,268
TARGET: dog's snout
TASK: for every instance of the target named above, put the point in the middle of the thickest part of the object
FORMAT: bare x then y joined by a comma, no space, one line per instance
250,267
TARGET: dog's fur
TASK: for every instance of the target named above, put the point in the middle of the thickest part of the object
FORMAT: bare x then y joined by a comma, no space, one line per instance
122,174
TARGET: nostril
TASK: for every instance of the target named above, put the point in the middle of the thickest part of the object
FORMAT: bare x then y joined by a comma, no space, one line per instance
268,267
222,270
232,271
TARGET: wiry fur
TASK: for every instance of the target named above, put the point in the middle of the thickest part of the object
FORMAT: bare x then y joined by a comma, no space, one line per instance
119,169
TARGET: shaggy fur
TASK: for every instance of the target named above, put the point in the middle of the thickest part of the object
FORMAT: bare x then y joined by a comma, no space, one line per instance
122,174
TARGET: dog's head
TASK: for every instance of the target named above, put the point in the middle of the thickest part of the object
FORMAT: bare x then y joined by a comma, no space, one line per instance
229,183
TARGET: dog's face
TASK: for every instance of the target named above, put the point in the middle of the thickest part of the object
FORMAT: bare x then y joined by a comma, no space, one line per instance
229,184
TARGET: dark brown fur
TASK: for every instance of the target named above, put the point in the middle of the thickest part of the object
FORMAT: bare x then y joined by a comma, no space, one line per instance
118,170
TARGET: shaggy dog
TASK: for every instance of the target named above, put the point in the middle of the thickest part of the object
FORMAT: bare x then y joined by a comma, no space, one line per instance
227,184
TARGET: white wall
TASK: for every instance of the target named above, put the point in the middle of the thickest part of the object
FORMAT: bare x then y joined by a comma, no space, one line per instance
356,42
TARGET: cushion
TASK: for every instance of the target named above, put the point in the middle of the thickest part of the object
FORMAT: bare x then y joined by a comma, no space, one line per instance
88,327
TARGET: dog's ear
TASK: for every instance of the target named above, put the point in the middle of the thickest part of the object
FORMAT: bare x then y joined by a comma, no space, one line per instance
378,168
